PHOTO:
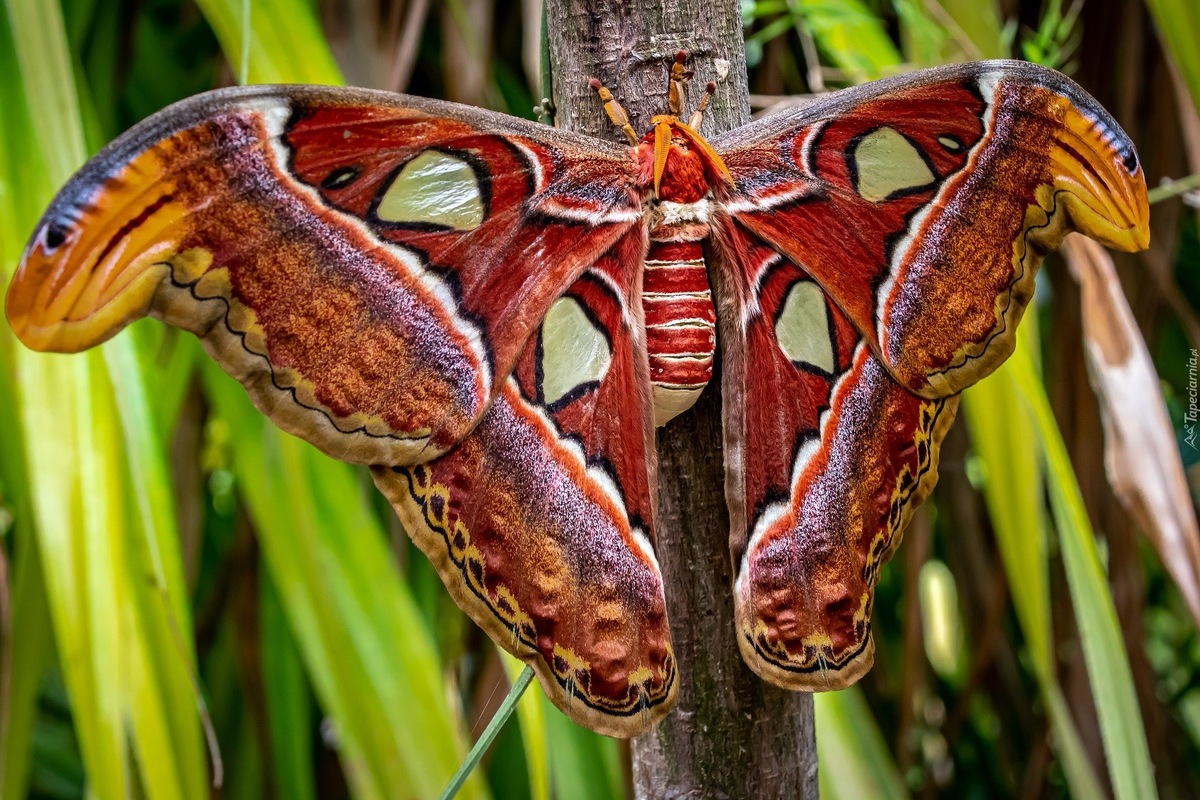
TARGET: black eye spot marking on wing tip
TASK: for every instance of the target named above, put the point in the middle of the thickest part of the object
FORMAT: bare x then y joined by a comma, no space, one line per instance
1129,158
340,178
56,234
1113,137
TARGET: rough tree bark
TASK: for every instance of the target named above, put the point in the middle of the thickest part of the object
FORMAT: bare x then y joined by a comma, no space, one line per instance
731,735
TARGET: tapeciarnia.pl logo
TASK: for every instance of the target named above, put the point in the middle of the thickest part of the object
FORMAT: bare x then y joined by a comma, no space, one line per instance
1193,409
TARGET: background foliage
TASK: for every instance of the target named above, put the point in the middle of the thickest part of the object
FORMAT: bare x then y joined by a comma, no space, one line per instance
176,573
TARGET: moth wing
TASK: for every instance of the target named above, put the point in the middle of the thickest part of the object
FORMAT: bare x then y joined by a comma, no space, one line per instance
923,204
540,521
826,456
368,265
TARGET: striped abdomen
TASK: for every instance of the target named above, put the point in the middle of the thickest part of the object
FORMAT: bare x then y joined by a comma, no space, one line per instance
680,320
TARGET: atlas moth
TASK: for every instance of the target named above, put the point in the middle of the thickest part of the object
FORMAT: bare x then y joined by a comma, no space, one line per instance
494,315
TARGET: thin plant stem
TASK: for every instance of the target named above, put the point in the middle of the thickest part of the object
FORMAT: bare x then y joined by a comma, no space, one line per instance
1174,188
489,734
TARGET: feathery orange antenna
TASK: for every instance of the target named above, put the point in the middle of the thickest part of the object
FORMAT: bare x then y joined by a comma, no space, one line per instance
663,125
614,110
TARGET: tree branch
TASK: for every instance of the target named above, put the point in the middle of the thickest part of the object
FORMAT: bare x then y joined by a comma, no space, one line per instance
731,734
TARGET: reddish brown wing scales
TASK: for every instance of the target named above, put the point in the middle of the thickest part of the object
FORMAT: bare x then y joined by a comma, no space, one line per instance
822,478
540,521
924,205
544,213
868,229
368,265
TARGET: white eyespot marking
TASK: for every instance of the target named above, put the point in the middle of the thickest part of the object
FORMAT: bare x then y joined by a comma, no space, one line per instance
951,144
574,351
802,328
436,188
887,163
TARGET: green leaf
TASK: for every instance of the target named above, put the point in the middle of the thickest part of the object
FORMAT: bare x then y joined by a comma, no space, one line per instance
1005,436
1108,669
1178,24
1004,439
371,659
289,712
531,711
100,501
485,740
27,654
373,664
583,765
282,42
850,35
163,690
854,758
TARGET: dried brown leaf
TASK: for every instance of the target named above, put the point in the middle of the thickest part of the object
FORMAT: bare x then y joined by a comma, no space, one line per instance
1140,453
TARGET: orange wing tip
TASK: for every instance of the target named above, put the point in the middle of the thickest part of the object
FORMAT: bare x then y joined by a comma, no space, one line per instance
71,300
92,327
97,259
1097,169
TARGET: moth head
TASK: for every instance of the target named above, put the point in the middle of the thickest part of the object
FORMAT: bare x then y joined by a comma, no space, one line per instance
675,153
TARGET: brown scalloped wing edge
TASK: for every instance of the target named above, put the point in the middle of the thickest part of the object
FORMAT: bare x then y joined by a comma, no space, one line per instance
822,641
563,584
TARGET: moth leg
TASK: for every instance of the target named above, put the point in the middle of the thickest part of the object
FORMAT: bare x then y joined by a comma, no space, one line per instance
615,111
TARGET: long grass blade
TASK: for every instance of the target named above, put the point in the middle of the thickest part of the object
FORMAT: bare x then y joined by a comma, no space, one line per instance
851,35
1178,25
583,765
26,653
489,734
853,755
532,714
284,42
289,715
67,436
1103,646
1004,434
371,658
163,688
124,642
